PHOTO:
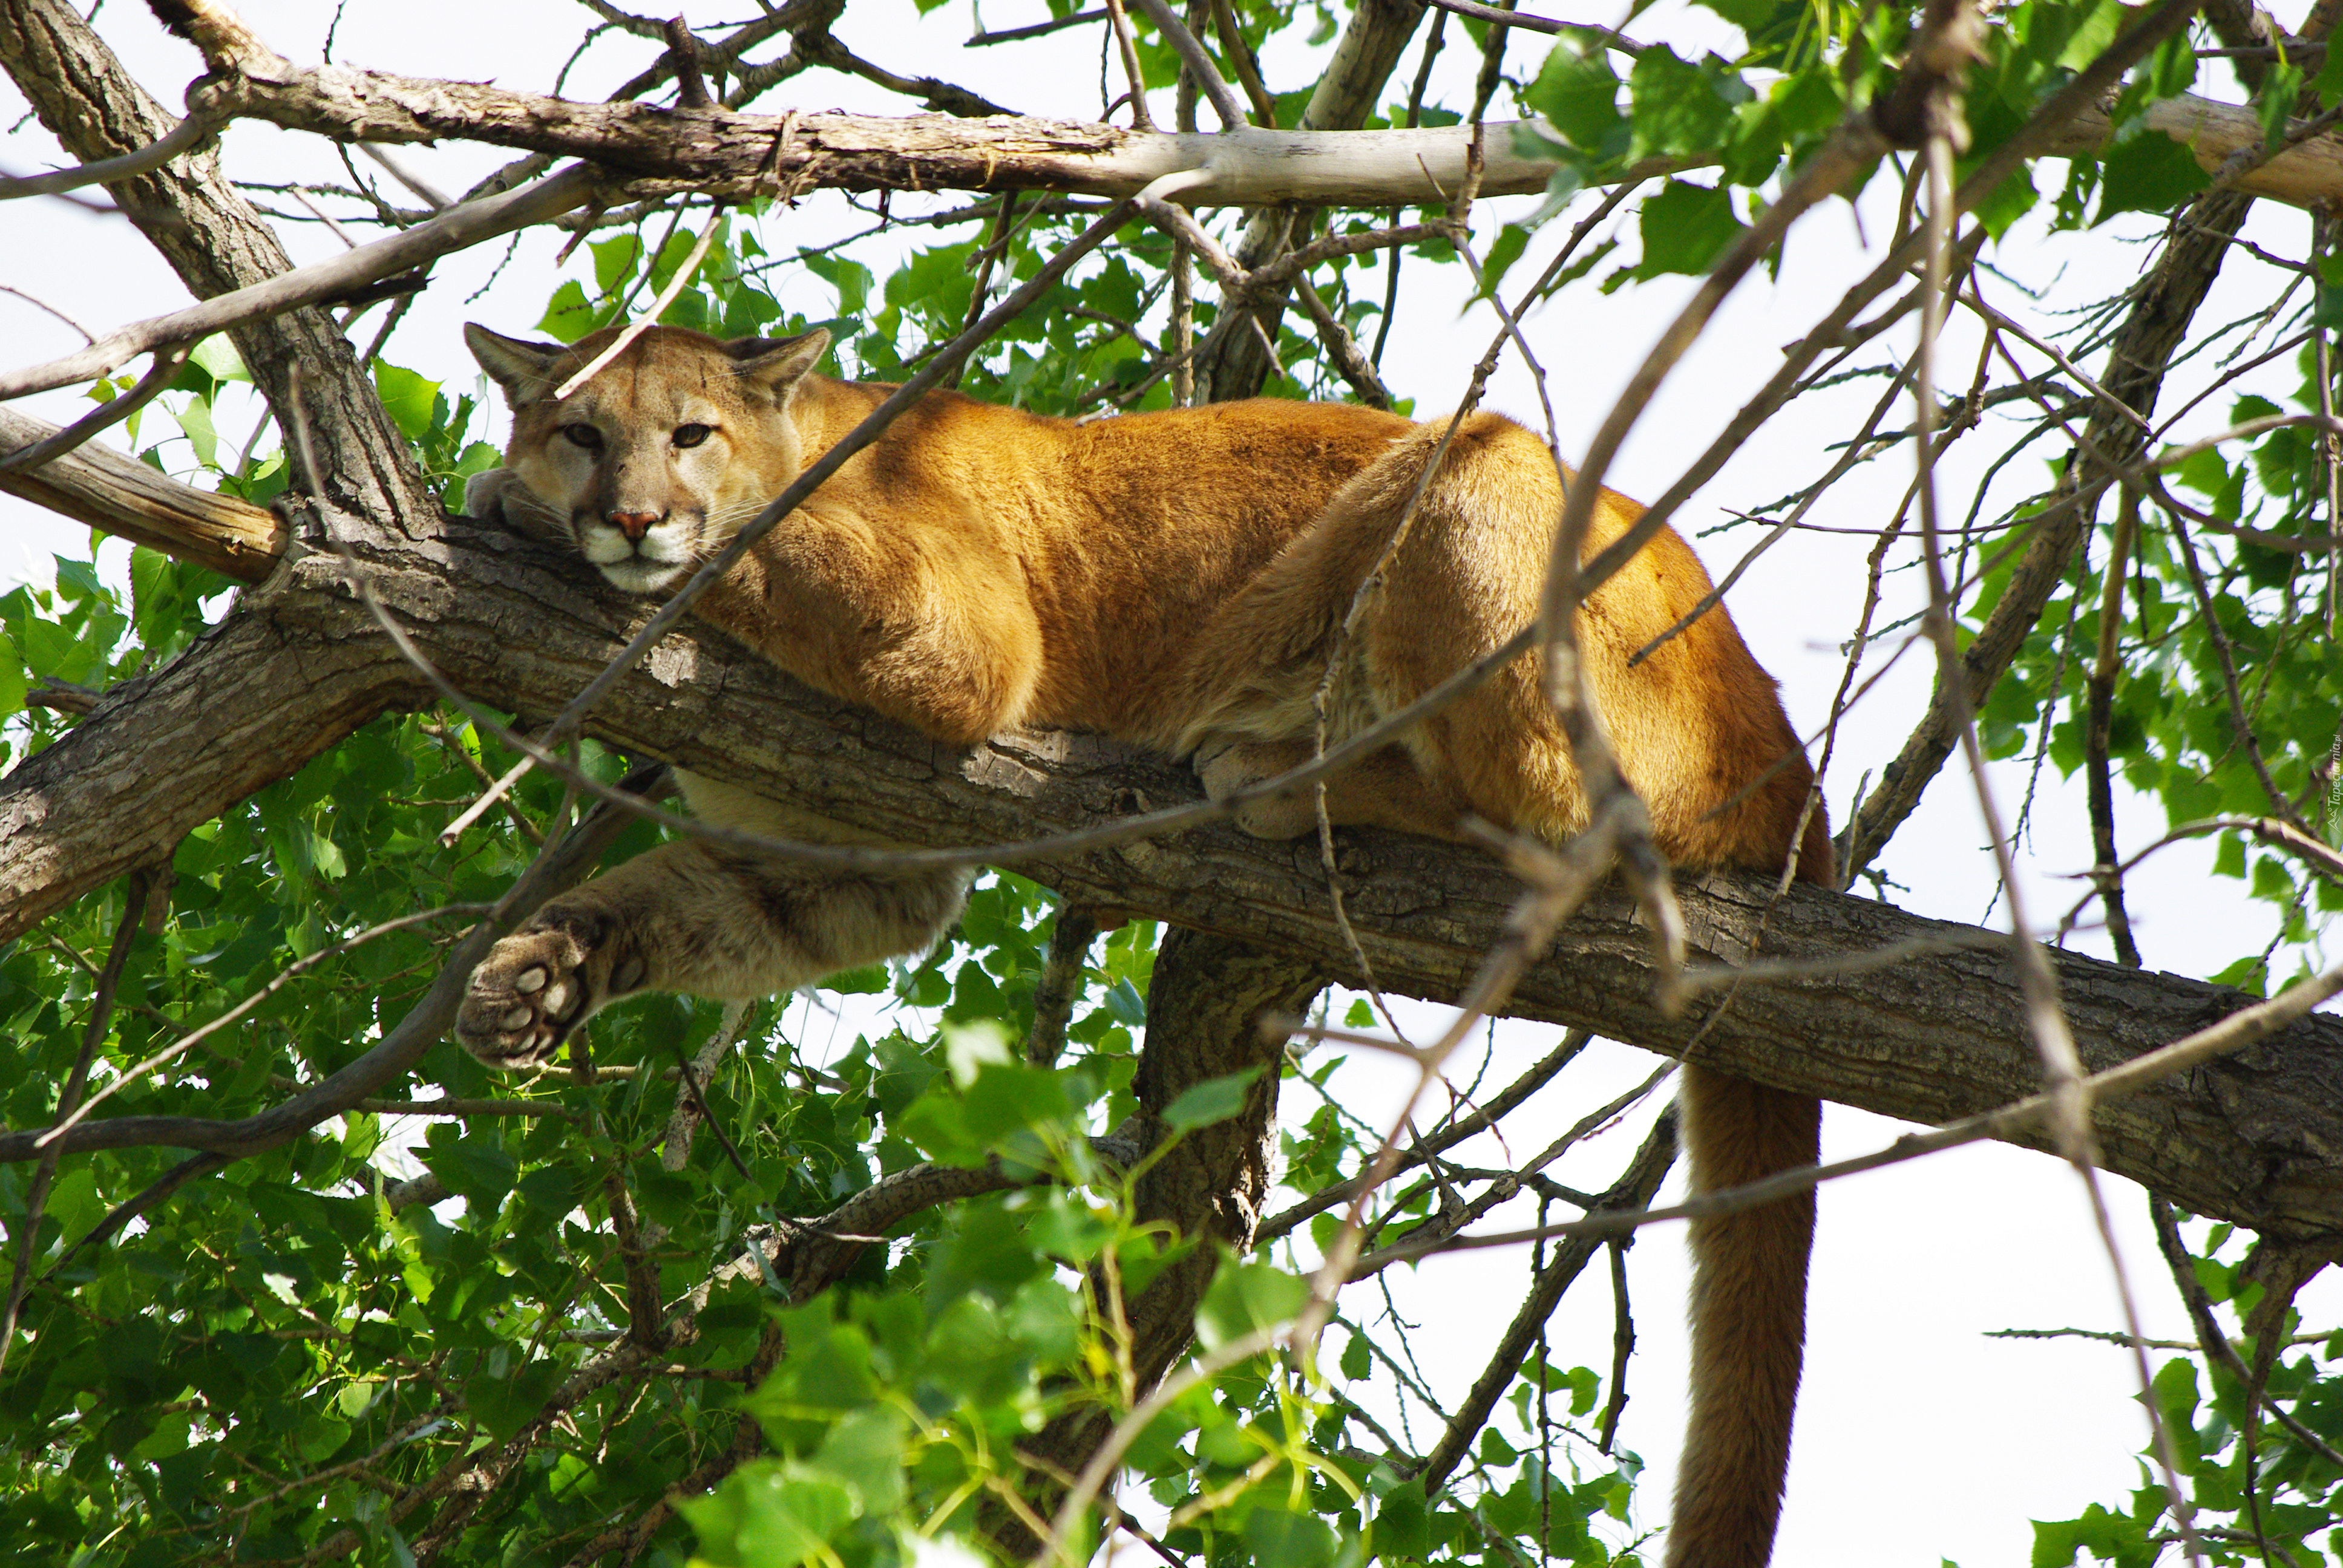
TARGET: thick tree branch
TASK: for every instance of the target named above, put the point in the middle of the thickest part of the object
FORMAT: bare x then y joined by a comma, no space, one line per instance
654,149
98,486
1931,1038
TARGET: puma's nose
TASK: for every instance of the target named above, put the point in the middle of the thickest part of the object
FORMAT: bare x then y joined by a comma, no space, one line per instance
634,525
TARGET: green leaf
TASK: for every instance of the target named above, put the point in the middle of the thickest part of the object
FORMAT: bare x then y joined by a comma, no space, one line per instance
865,1449
1404,1522
2276,100
507,1403
75,1204
1578,94
2329,82
13,684
2171,70
1685,228
218,357
1360,1015
2008,202
615,261
969,1047
1211,1101
196,419
1123,1001
1244,1298
2149,173
1511,240
1681,109
408,397
2092,34
1282,1540
1749,15
474,1169
567,315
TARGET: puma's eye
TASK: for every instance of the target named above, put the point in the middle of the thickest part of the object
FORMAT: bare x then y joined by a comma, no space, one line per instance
584,436
692,435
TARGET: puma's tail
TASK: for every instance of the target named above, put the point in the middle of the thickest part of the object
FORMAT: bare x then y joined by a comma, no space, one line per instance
1748,1319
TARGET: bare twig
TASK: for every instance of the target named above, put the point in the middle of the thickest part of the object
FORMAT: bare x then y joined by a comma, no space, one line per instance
2241,723
1199,62
1036,30
187,134
649,319
168,358
1240,55
324,281
1632,1191
2213,1343
1140,118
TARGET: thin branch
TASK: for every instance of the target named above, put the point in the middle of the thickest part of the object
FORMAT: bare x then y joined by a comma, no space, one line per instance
38,303
187,134
649,319
1140,118
2216,1344
1633,1191
1484,1118
168,359
1239,53
314,284
1199,62
2099,725
1035,30
2241,724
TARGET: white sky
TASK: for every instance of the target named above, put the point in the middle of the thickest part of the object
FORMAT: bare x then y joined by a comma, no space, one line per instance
1920,1439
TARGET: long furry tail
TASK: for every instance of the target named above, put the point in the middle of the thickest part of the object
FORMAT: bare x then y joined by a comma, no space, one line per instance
1748,1320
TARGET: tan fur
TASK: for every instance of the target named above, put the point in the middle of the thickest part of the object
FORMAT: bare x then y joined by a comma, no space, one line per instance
1177,580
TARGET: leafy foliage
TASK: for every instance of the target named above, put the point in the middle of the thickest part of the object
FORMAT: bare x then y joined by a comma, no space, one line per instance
2258,1488
511,1321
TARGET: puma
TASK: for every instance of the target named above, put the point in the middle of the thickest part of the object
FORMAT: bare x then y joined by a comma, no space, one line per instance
1176,579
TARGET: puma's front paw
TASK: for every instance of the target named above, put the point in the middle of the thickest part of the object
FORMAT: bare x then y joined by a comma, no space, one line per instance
484,493
530,992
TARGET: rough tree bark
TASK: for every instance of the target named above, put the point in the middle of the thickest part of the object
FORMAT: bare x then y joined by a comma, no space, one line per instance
1931,1036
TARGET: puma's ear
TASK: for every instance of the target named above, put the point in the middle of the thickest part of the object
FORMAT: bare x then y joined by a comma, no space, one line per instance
777,365
525,370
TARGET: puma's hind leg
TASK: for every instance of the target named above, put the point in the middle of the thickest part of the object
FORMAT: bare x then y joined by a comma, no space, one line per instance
1463,579
1384,789
692,917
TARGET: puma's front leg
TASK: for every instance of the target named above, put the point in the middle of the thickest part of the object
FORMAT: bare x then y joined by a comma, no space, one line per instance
691,917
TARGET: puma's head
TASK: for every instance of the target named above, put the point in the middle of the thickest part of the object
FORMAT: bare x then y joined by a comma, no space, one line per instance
663,456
